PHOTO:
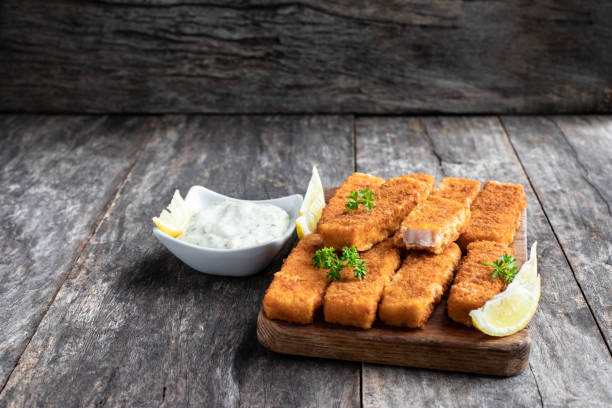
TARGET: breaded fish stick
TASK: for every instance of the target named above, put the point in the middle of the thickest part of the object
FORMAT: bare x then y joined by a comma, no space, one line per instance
363,228
496,214
474,283
461,190
296,292
353,302
434,223
409,299
354,182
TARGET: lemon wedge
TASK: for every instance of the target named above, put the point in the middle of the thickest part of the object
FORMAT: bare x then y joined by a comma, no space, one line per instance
511,310
174,218
312,206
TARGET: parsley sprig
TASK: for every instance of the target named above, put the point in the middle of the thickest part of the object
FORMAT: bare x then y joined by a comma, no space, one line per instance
504,268
326,258
364,197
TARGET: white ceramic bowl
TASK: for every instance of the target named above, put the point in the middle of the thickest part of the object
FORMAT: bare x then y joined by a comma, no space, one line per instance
229,262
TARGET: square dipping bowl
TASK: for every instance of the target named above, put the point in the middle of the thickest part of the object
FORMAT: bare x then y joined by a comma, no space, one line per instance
229,262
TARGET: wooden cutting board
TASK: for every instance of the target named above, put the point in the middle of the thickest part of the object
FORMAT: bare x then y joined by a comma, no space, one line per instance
441,345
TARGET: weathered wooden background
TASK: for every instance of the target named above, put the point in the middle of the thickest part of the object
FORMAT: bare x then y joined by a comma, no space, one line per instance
353,56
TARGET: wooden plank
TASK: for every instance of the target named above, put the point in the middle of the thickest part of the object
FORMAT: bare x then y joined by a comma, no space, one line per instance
58,176
392,56
441,345
568,160
569,362
134,326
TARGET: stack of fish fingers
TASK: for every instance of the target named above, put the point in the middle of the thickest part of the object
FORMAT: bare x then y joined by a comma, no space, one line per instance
410,242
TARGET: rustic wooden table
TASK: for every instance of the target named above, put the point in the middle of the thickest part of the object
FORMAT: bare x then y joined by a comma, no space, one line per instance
94,311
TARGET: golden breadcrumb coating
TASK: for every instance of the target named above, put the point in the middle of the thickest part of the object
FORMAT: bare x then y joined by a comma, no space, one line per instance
354,182
353,302
434,223
415,290
496,214
474,283
461,190
296,292
363,228
425,178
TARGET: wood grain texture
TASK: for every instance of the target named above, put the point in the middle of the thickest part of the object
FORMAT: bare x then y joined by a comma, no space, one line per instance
391,56
134,326
569,160
441,345
569,361
57,177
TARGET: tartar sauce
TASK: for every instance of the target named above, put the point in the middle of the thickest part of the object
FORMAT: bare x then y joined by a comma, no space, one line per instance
233,224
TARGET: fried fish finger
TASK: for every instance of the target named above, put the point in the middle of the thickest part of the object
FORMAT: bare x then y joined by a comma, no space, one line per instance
353,302
474,283
433,224
417,287
297,290
354,182
496,214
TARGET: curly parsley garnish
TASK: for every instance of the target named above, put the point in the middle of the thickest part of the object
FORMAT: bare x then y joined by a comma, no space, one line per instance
326,258
504,268
364,197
